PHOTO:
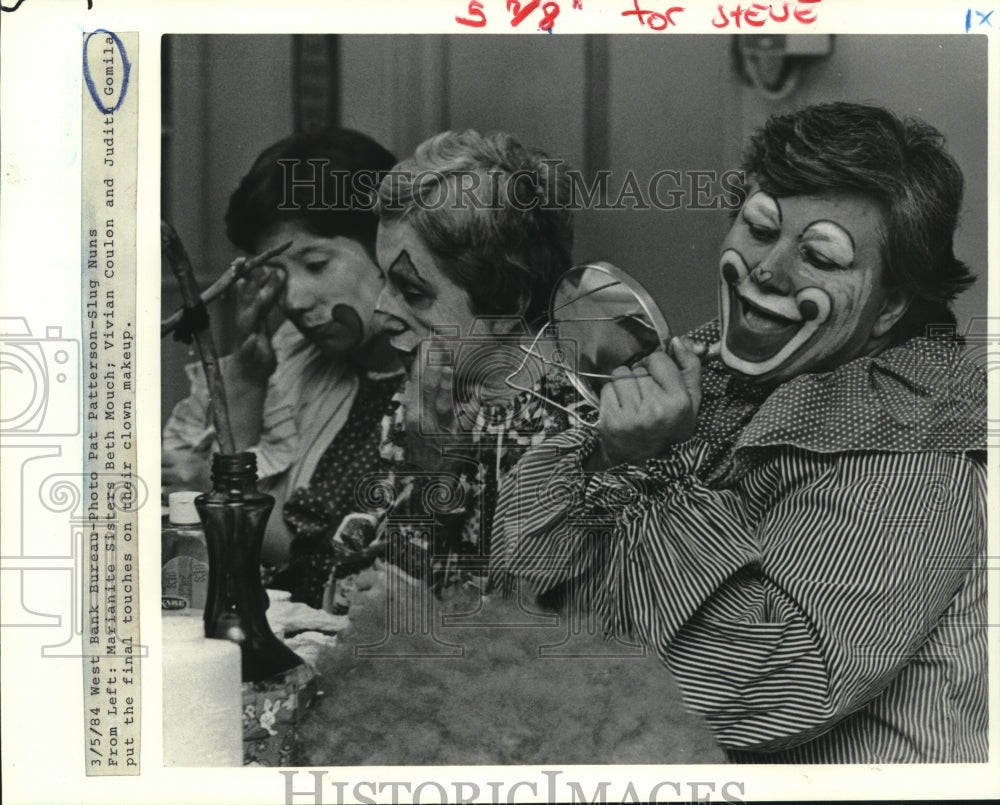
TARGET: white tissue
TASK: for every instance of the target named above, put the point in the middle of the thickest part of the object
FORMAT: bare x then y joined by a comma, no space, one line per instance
202,695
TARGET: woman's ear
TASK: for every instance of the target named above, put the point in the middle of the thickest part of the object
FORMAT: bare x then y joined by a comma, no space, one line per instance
894,305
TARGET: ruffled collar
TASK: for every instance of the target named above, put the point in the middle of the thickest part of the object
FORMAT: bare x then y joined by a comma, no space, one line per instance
923,395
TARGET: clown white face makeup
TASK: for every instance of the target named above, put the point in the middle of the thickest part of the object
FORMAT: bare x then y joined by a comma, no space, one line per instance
330,289
801,286
418,295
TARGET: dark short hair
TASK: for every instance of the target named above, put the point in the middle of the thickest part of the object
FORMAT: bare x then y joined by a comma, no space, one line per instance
324,182
902,166
508,239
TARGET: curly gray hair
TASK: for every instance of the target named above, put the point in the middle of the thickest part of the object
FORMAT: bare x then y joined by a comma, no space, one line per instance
494,212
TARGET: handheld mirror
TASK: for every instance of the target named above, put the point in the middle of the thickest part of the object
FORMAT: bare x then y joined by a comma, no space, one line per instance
600,318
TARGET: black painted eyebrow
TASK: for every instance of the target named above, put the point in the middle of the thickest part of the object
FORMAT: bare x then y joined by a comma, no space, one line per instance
403,262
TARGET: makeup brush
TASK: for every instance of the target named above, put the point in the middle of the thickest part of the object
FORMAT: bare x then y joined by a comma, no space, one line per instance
238,269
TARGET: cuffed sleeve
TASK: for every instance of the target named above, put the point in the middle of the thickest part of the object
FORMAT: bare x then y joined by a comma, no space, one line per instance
190,424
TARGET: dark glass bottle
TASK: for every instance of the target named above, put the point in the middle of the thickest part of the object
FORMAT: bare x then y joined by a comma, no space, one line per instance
234,515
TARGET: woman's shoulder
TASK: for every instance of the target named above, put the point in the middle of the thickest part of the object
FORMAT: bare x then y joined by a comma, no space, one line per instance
922,395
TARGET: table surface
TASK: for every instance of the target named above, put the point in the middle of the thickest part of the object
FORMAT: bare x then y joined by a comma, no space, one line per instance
501,685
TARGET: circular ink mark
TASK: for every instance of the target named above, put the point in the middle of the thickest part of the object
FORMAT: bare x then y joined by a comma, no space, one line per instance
89,79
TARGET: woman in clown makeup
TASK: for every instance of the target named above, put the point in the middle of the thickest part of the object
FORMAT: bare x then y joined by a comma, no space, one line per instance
794,497
308,398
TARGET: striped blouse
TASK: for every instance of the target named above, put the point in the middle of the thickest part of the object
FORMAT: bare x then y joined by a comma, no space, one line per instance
810,567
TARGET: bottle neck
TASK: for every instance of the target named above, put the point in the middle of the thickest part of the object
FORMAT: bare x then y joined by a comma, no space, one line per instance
234,475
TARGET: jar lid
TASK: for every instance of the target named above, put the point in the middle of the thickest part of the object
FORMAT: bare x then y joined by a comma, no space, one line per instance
182,510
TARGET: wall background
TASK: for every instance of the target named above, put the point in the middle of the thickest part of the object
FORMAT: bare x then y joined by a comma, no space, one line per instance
620,103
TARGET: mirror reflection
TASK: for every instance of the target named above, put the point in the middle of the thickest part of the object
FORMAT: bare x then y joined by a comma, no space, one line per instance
600,318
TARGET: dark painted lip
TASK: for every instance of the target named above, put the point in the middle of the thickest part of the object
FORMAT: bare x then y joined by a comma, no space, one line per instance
322,329
330,331
343,330
767,314
749,344
407,357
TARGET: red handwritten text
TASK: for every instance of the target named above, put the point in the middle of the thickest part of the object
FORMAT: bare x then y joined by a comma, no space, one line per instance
756,14
476,18
654,19
476,15
549,10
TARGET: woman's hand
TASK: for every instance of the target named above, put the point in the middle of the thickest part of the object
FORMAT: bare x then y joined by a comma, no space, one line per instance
650,406
256,296
247,370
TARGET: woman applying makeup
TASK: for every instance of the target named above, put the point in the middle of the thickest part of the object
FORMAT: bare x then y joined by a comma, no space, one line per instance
308,399
797,527
474,233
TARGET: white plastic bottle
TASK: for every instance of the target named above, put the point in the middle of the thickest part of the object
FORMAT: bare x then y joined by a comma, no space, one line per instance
184,555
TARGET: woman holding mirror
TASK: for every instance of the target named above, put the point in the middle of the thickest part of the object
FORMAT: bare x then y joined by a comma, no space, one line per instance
797,527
